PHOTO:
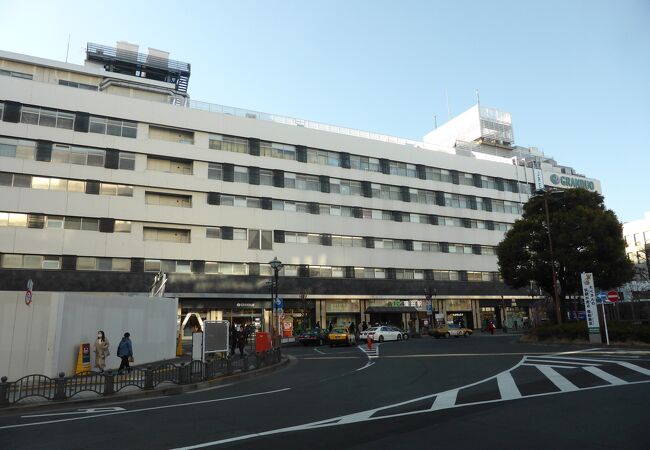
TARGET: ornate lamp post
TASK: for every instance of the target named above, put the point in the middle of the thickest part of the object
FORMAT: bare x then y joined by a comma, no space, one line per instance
276,265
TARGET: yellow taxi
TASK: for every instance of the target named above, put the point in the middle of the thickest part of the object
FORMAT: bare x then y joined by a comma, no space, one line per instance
340,336
446,331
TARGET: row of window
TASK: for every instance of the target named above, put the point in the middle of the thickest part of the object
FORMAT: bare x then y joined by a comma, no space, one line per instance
9,219
14,74
63,153
62,184
240,174
20,261
257,239
332,158
362,213
117,127
48,117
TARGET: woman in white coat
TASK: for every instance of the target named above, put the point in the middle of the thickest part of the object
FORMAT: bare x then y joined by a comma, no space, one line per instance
101,351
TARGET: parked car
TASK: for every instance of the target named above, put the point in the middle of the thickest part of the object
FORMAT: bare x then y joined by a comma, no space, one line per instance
312,337
340,336
446,331
383,333
405,334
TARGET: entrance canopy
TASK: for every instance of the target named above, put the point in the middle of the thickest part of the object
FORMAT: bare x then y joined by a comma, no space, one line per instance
389,309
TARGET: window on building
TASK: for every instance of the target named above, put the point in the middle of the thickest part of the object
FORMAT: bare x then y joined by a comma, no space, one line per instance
14,74
166,235
241,174
171,134
166,199
260,239
323,157
276,150
183,167
113,127
228,143
215,171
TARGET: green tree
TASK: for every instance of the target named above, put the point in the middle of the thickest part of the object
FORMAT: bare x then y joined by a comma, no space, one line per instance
585,237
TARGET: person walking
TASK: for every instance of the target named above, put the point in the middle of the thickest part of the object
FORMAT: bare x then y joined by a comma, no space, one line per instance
233,339
125,352
101,351
241,341
491,327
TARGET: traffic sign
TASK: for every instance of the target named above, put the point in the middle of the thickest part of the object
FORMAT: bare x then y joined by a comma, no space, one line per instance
612,296
601,297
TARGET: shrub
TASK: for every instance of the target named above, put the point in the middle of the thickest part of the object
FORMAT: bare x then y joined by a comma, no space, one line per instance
618,332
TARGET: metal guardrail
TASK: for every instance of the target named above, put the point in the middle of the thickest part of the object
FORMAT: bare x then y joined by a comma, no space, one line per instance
149,378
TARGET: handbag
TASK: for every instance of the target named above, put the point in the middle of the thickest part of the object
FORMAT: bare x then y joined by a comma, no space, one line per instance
131,358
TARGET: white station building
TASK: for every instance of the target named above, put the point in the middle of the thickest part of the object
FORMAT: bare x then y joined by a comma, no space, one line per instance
110,174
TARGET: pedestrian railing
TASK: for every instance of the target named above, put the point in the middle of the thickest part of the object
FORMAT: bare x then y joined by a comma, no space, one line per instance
110,382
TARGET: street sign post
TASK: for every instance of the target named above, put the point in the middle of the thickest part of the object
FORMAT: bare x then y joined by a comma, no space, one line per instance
589,294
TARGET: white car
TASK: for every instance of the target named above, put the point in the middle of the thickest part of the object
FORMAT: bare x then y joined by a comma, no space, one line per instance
381,334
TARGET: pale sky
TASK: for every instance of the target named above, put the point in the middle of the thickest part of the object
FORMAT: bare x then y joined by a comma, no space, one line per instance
574,74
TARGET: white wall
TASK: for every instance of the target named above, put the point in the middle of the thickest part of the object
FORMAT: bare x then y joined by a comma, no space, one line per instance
44,337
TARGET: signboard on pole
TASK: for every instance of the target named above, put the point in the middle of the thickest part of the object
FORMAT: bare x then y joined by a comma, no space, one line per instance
612,296
589,293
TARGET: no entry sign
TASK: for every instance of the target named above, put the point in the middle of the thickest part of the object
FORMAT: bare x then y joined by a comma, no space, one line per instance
612,296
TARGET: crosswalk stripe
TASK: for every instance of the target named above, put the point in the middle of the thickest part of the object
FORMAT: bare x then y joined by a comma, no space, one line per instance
611,379
507,386
445,399
634,367
533,364
552,362
558,380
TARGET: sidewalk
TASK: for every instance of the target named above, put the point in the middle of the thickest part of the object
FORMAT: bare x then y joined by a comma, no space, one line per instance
183,376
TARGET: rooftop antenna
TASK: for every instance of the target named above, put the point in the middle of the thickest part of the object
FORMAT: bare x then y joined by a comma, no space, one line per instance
435,122
478,98
67,50
448,108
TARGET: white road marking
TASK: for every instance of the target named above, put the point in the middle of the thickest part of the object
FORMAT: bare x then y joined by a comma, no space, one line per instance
77,412
221,386
368,364
317,350
445,400
549,365
634,367
558,380
555,362
507,386
178,405
611,379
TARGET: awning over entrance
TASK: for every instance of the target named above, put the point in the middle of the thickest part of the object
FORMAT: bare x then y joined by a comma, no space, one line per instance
389,309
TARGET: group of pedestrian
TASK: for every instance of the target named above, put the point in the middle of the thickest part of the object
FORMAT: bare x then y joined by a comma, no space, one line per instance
124,352
238,337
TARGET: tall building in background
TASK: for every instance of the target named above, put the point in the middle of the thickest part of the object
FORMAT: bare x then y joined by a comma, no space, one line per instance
110,175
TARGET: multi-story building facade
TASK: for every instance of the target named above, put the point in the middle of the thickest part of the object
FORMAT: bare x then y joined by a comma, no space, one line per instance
637,246
109,174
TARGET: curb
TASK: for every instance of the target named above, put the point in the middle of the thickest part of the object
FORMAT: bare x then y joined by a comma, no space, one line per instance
171,390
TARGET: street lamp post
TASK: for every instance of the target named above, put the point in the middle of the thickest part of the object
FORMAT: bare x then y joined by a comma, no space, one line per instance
276,265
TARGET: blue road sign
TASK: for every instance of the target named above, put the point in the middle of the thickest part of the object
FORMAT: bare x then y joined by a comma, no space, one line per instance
279,303
601,297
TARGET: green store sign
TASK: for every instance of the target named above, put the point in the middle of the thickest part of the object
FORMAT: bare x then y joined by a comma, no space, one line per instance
572,182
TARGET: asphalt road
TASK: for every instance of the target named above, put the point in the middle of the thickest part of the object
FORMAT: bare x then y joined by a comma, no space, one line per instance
478,392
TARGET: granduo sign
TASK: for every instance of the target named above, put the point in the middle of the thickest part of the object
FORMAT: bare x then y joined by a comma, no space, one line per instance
573,182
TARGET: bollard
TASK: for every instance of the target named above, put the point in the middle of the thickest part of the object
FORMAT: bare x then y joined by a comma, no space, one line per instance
59,387
109,383
4,392
369,342
148,378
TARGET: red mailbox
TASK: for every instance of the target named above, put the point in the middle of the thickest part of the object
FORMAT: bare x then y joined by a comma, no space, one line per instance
262,341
